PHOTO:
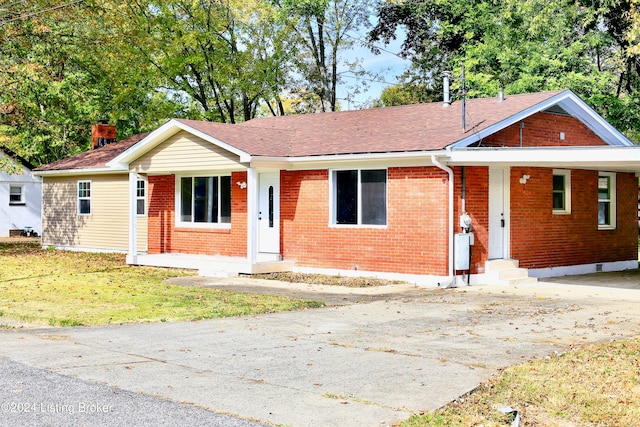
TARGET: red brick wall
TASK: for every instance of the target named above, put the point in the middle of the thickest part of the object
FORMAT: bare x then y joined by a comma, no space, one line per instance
543,129
477,206
164,237
413,242
540,239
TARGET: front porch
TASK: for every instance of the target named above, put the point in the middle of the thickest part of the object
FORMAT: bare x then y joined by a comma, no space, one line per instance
211,266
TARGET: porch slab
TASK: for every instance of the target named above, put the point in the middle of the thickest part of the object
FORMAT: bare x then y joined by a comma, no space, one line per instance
211,266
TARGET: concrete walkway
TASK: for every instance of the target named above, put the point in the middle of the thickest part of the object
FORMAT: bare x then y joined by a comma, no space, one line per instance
372,358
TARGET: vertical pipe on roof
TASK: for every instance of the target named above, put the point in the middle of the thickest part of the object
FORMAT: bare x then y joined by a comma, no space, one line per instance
446,92
449,171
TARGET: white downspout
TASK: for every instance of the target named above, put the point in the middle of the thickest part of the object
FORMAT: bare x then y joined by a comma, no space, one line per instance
448,170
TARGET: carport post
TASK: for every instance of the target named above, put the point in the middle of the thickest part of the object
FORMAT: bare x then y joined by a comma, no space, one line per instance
132,258
252,215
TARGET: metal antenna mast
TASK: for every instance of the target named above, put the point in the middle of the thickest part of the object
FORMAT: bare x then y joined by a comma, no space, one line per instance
464,101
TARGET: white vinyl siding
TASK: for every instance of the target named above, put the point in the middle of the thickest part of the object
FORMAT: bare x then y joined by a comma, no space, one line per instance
185,152
107,228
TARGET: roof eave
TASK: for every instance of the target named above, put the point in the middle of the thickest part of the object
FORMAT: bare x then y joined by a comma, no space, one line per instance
330,161
571,103
160,135
87,171
614,158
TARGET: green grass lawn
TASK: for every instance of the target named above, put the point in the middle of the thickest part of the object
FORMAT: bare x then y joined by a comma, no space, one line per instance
596,385
61,288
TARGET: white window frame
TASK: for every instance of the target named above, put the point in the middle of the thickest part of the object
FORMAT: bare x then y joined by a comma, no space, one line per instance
143,197
84,197
567,191
20,202
333,195
178,202
612,200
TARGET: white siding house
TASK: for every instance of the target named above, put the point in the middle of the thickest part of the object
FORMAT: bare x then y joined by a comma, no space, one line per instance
20,197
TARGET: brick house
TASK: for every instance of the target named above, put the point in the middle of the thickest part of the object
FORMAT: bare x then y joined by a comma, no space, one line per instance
540,178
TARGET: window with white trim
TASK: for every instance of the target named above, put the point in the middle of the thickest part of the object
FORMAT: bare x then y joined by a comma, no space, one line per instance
561,191
141,197
359,197
606,200
16,195
84,197
205,199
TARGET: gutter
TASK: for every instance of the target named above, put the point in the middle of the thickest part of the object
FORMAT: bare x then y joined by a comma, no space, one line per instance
73,172
451,279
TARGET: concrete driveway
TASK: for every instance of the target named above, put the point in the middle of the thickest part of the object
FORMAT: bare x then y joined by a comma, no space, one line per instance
372,358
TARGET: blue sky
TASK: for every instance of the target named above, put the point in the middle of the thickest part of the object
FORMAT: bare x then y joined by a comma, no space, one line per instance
387,64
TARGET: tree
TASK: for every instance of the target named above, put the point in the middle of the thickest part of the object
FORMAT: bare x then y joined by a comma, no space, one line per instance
325,31
56,82
524,47
224,55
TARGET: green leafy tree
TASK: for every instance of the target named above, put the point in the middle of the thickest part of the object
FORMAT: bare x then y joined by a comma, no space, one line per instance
223,57
326,31
58,78
524,46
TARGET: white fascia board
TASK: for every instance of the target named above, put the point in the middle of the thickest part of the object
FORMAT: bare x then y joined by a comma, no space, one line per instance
604,157
575,106
160,135
244,157
572,104
72,172
338,160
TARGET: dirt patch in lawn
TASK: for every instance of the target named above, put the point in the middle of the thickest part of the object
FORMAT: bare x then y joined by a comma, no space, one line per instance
323,279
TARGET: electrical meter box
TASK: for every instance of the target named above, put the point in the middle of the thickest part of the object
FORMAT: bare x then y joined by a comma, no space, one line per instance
462,245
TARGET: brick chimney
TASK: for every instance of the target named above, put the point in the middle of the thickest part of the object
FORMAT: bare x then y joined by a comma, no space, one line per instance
102,134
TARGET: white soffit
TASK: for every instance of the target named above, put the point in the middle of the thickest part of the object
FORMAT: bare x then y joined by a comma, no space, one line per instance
614,158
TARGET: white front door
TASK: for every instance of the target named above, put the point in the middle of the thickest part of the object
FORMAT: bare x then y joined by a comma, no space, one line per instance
269,213
498,214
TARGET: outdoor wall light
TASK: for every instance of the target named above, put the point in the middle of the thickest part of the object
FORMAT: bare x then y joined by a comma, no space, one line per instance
242,184
524,179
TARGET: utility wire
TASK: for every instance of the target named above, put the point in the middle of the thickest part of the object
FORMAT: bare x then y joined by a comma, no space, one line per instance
28,15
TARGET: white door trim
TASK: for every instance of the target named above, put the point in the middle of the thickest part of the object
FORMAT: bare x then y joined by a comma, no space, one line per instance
269,213
504,252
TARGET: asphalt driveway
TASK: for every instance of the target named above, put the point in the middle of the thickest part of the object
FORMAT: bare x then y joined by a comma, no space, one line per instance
371,358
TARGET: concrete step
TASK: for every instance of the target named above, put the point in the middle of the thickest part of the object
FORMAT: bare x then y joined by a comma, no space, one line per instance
506,272
501,264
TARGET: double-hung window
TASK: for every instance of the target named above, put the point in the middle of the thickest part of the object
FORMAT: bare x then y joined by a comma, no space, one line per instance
141,197
205,200
606,201
16,195
561,191
84,197
359,197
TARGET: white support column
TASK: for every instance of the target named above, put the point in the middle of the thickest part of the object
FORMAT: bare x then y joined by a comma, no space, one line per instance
132,257
252,215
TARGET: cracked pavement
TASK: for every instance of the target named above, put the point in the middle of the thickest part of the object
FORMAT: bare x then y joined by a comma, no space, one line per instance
372,357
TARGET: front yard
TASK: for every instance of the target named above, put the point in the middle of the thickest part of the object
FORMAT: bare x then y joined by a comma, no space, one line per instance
60,288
